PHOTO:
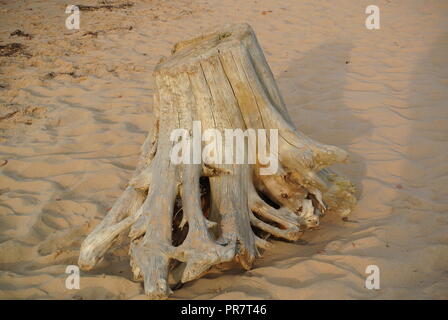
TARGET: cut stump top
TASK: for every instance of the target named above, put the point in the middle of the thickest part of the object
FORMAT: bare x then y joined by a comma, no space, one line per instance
187,54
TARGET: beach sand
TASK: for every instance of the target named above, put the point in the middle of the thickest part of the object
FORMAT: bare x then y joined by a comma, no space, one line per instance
75,107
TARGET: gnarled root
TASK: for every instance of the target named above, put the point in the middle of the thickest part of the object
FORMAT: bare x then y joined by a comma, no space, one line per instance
222,80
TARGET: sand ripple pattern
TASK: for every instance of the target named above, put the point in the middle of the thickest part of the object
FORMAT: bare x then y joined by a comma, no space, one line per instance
76,106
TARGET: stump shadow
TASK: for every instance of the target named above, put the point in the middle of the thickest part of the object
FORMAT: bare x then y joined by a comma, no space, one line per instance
420,196
313,89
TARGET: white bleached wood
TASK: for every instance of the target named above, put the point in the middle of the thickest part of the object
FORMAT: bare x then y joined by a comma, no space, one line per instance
223,80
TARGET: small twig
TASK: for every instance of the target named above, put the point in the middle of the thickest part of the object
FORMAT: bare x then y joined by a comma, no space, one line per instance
105,6
20,33
9,115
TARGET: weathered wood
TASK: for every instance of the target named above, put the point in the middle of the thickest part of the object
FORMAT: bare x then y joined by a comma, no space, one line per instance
223,80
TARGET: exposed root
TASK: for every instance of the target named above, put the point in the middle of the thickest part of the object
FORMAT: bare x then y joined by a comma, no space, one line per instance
185,218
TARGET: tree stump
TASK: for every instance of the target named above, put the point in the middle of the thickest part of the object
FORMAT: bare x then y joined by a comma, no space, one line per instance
184,218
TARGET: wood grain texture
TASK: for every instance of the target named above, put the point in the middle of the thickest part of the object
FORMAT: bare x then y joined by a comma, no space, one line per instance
223,80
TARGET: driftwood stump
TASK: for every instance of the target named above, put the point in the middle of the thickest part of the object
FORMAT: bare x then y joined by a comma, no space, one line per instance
184,218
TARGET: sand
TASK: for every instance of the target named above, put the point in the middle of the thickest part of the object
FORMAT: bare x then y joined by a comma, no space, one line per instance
76,106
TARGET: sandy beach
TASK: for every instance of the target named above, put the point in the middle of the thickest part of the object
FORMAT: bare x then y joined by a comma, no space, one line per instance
76,105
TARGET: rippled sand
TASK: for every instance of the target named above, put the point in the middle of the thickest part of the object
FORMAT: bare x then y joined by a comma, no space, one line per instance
76,106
